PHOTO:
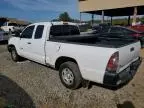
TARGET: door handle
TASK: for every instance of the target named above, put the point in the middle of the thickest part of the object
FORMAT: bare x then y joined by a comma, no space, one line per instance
28,42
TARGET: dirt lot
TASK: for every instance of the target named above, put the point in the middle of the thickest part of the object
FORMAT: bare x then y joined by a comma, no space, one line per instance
31,85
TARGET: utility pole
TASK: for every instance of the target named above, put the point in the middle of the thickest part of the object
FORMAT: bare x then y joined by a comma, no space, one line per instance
92,21
102,21
80,17
111,20
129,18
134,16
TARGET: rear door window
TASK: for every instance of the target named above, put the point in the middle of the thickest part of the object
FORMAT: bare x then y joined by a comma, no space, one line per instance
39,32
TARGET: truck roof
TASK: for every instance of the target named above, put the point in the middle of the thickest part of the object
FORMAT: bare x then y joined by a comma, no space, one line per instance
55,23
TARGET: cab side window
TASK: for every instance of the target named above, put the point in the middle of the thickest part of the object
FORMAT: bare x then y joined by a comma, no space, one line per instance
28,32
39,32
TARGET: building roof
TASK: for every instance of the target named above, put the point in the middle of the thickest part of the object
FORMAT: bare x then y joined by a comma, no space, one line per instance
128,11
111,7
14,20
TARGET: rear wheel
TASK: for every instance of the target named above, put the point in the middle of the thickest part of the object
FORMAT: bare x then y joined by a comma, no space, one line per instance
70,75
14,55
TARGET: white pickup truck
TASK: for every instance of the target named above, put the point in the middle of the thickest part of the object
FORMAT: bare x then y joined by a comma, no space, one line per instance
79,58
9,27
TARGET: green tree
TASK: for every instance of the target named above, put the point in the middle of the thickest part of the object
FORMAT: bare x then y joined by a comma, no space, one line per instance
64,17
142,20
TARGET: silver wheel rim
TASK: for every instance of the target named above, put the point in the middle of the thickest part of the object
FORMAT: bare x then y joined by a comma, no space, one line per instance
13,54
67,76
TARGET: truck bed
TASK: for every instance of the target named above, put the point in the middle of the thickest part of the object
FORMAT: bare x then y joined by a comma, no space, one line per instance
98,40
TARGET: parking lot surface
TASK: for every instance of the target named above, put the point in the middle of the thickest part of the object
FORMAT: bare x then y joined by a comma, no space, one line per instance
30,85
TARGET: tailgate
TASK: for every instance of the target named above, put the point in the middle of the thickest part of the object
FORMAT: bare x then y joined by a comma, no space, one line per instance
128,54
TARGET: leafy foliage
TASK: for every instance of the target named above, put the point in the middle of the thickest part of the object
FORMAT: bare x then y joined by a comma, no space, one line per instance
64,17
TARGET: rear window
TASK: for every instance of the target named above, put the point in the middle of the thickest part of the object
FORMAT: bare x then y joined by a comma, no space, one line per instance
64,30
74,30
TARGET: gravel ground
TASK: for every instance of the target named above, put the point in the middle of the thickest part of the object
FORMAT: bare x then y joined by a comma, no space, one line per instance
31,85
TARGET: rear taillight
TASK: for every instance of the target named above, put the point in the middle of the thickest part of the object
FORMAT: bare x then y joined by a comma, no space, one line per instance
113,63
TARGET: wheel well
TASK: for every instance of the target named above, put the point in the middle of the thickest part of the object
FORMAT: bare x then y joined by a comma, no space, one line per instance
61,60
9,47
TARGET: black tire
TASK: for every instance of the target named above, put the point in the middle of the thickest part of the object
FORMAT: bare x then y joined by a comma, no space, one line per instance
77,78
14,55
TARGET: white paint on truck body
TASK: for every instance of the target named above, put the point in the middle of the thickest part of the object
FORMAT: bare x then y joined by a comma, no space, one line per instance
92,60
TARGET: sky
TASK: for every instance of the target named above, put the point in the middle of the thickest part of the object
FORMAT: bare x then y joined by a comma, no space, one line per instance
40,10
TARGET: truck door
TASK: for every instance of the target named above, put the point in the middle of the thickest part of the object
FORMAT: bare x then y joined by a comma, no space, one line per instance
38,44
52,46
26,42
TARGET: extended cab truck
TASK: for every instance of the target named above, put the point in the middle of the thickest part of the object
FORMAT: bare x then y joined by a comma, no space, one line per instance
79,58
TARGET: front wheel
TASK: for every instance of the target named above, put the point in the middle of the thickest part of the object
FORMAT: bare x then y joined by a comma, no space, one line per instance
70,75
14,55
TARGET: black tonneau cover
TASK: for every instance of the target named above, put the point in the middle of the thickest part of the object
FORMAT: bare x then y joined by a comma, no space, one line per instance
106,40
